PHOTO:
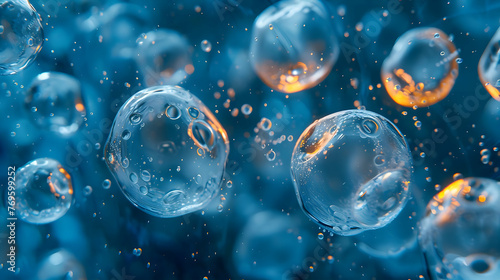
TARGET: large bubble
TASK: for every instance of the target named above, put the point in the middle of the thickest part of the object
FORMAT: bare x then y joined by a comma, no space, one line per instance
44,191
21,35
164,57
167,151
54,102
459,234
421,68
488,67
293,45
351,171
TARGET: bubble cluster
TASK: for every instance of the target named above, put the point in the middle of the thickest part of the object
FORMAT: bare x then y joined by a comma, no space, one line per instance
421,68
294,46
44,191
167,151
351,171
21,35
459,234
54,103
488,67
164,57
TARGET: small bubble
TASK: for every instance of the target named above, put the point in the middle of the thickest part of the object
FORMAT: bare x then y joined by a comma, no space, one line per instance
143,190
459,60
206,46
220,207
145,175
246,109
87,190
137,251
418,124
265,124
229,184
321,236
106,184
436,35
135,118
271,155
173,112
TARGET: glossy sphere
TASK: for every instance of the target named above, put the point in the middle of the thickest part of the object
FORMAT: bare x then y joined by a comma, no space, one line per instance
163,56
351,171
421,68
167,151
54,102
489,68
460,231
21,35
293,45
43,191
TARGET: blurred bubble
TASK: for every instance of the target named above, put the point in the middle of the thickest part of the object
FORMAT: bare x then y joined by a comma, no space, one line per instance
421,68
163,57
106,184
54,102
206,46
488,69
293,45
268,246
459,234
43,191
246,109
168,160
61,264
21,35
351,171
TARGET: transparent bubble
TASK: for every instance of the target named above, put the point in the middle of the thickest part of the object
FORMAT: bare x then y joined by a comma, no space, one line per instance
57,98
43,191
460,231
351,171
246,109
188,154
21,35
163,56
488,68
206,46
106,184
421,72
294,46
60,264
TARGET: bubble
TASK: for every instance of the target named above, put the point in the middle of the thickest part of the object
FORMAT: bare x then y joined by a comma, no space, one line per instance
87,190
271,155
229,184
43,191
163,56
206,46
180,158
57,100
402,71
137,252
458,230
60,264
246,109
300,48
488,66
21,36
321,236
265,124
106,184
220,207
351,171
